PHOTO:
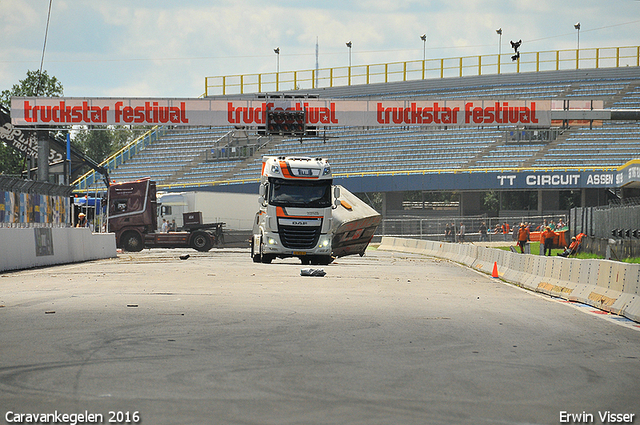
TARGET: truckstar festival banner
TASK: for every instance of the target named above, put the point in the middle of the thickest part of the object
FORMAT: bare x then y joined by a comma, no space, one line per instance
37,111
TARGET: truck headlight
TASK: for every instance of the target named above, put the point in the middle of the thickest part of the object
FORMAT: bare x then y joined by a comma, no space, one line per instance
272,241
324,242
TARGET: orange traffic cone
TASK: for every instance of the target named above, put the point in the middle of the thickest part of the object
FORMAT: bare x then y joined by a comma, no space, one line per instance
495,269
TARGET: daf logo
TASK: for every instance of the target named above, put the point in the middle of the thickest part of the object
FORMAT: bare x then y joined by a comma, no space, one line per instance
299,223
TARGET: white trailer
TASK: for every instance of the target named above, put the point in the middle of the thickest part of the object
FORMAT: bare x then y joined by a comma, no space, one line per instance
236,210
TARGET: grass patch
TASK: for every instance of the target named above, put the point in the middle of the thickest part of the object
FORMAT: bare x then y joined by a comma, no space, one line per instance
635,260
535,250
533,246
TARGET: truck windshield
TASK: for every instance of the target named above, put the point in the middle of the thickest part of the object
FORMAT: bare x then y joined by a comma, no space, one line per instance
284,193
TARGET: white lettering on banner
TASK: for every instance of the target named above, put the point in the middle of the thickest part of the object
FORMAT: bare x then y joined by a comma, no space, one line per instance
598,179
31,111
553,179
503,178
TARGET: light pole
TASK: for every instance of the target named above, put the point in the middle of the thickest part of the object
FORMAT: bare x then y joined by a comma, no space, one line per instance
349,46
577,27
423,37
499,32
277,50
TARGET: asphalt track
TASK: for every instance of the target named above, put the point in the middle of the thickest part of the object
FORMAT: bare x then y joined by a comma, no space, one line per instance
388,338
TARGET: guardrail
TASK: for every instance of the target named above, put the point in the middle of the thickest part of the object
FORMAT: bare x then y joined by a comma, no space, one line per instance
90,178
552,60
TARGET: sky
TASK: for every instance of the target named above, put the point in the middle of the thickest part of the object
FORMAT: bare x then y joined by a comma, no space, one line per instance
161,48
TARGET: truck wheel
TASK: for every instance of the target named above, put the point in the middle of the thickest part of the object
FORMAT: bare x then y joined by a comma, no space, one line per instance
201,241
132,241
266,259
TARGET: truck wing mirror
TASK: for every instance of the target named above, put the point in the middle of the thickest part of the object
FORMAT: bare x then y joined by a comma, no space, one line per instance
261,200
336,197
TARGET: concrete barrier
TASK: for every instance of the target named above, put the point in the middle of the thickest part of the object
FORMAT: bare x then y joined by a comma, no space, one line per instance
607,285
24,248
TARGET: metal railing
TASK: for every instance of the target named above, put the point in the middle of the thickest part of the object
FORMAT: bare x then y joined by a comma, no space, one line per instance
552,60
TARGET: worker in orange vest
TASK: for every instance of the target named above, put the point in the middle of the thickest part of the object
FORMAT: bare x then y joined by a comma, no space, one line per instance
547,236
571,249
523,237
505,230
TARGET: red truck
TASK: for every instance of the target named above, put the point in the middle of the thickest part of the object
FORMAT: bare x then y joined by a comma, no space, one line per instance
132,216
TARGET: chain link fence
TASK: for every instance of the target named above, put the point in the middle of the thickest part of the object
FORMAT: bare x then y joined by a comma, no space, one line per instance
612,231
434,229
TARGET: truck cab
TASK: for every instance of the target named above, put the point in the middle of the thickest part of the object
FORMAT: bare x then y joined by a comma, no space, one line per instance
132,216
295,213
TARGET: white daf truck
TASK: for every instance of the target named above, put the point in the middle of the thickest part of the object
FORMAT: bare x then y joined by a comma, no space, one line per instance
303,215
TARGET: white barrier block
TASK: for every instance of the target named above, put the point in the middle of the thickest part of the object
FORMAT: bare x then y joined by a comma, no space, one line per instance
570,267
632,309
588,279
387,243
632,279
535,272
512,268
18,246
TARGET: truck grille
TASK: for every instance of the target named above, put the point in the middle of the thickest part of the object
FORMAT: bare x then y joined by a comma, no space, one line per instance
298,237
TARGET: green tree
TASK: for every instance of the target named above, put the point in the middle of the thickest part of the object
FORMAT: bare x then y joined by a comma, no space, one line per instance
570,199
491,201
11,162
520,200
99,144
36,84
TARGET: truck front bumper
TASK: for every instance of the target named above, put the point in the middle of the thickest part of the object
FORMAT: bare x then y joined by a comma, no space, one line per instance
272,245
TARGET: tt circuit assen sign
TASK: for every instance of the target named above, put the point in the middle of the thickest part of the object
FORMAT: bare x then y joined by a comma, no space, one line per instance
518,180
33,111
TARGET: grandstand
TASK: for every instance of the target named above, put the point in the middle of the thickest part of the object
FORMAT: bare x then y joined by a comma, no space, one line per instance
393,160
184,157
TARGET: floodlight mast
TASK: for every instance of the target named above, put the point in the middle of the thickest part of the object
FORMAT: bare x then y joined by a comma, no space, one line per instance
499,32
